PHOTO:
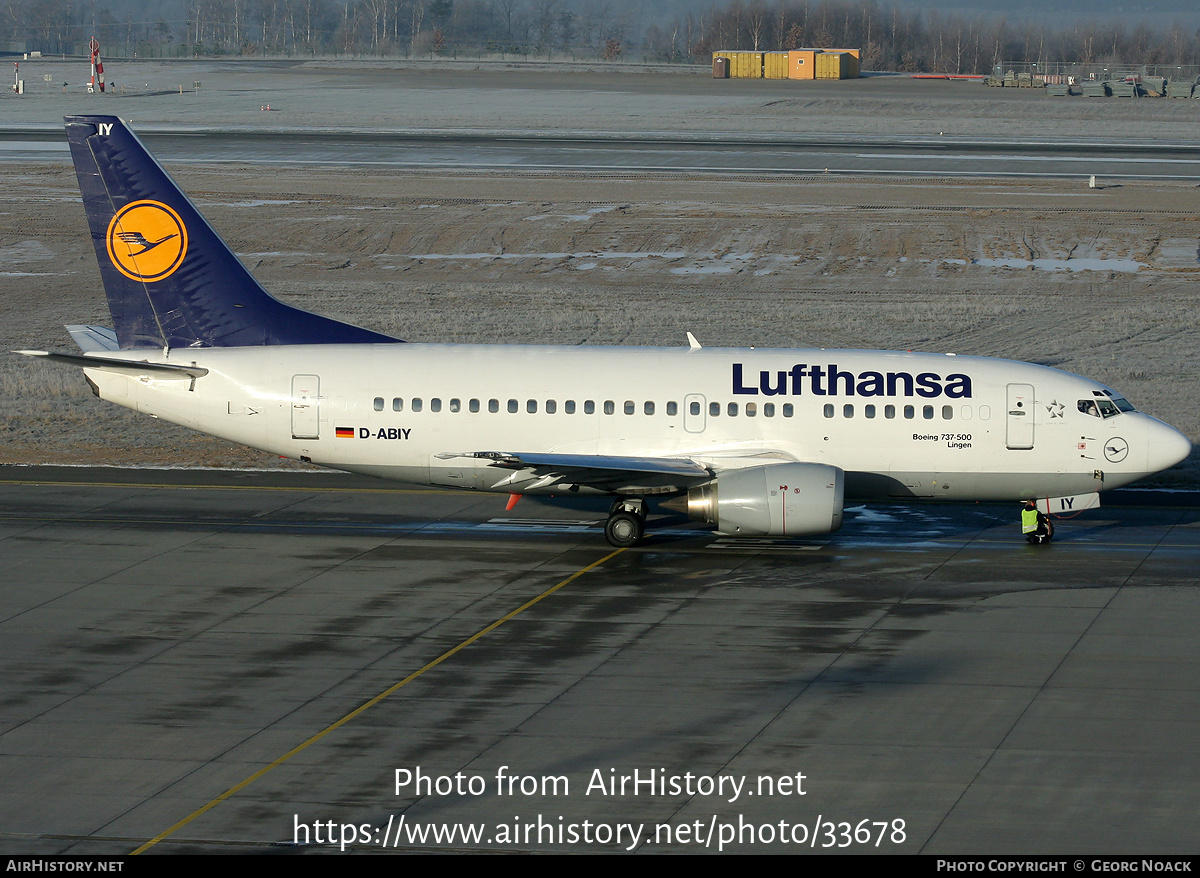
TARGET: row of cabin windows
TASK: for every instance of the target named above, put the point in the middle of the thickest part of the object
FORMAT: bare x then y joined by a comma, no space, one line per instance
550,407
749,409
928,412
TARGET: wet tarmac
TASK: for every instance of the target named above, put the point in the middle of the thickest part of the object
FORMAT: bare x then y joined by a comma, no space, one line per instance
921,681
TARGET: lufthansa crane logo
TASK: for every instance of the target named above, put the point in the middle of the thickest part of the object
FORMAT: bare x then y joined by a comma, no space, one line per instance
1115,449
147,241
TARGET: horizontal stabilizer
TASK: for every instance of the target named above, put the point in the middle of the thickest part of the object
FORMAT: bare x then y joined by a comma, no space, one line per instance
94,338
128,367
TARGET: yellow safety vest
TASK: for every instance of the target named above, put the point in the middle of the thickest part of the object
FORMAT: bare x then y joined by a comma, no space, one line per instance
1029,521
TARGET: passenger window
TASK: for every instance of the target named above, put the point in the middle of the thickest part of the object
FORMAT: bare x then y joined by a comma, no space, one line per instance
788,410
569,406
965,411
829,410
513,406
714,409
672,409
493,405
768,409
416,404
456,405
551,406
869,411
531,406
589,407
889,411
379,403
985,413
694,408
847,411
435,405
473,405
947,412
648,408
732,409
927,412
610,407
630,408
909,412
397,404
751,409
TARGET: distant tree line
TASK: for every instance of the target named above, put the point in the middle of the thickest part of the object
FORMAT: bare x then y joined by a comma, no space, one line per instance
329,27
890,37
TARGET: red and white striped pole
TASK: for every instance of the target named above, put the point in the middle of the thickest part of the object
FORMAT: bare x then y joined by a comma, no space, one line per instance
97,64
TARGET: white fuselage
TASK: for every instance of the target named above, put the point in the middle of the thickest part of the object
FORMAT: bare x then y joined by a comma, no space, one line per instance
899,424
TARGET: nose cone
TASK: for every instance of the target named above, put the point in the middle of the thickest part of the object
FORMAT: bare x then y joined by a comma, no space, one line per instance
1166,447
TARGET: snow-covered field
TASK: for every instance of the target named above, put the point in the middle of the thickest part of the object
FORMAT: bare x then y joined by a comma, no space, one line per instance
1097,281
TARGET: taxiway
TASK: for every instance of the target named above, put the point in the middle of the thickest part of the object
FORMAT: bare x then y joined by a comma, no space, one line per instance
171,636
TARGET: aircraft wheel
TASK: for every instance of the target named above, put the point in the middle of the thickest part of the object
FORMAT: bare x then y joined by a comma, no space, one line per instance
624,529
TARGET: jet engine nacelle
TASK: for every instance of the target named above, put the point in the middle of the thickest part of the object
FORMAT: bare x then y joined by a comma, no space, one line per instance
785,499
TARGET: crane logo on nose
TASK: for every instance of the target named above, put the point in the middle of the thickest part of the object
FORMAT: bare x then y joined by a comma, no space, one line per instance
1116,449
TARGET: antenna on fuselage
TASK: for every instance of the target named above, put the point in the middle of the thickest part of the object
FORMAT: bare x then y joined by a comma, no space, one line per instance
692,343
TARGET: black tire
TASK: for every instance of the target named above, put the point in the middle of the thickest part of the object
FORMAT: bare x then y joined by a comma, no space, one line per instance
624,529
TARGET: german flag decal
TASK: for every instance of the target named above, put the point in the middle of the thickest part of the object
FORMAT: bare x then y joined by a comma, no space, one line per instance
344,432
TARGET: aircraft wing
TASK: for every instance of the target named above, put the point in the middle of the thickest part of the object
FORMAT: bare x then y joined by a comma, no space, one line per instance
641,475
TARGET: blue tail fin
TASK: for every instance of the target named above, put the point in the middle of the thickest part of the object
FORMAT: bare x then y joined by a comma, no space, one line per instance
170,279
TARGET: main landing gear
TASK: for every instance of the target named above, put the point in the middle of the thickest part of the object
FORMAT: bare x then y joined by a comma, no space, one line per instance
626,523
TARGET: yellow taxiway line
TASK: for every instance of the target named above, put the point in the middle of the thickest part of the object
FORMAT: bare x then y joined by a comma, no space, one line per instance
369,704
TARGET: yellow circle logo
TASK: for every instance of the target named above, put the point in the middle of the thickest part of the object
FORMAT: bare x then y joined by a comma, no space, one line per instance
147,241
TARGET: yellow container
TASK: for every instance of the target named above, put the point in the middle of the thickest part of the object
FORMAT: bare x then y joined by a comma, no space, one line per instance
829,65
802,64
837,65
775,65
748,65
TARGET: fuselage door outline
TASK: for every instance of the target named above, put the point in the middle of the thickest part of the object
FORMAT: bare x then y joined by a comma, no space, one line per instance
1019,420
306,407
693,413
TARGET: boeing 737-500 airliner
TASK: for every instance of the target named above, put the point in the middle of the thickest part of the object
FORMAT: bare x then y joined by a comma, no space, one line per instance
755,442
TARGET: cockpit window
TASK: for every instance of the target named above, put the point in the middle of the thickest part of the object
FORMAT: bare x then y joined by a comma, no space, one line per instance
1104,407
